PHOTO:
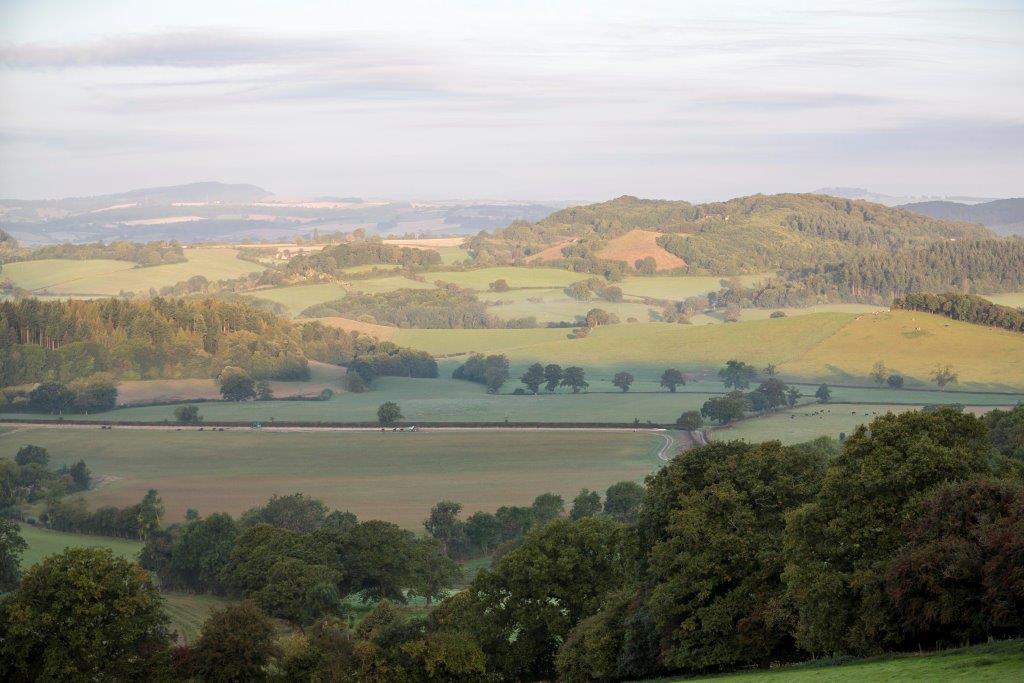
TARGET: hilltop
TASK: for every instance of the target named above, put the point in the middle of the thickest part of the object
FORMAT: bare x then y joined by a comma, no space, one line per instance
742,235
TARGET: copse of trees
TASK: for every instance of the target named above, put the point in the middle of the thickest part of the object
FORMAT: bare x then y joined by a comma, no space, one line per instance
332,260
965,307
671,379
448,306
28,479
136,521
623,380
142,253
737,375
492,371
92,395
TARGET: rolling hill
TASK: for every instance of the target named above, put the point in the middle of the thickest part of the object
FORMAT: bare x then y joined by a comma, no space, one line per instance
1002,215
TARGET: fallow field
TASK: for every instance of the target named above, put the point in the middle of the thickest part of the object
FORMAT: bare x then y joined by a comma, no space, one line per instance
396,476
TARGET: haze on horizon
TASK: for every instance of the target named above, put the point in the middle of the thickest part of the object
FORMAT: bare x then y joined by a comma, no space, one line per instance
540,100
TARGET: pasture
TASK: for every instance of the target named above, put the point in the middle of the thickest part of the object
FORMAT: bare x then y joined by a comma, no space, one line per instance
395,476
678,287
298,298
1011,299
988,663
832,347
104,277
43,542
516,277
389,284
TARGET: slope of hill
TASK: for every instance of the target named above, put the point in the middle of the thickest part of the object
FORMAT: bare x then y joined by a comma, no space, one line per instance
1002,215
640,244
743,235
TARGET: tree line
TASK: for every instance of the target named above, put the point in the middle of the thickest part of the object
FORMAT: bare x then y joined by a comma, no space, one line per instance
95,394
332,259
63,341
28,479
965,307
142,253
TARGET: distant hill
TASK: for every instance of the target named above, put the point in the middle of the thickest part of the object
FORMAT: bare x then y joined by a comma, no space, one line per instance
743,235
192,192
1003,215
892,200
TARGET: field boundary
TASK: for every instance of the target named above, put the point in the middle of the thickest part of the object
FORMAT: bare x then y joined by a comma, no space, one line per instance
371,426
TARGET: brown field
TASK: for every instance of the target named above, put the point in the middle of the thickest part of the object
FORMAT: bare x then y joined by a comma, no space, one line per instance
638,244
552,253
390,476
132,392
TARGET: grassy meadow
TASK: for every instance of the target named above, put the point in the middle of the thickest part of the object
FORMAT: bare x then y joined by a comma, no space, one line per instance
516,277
989,663
396,476
300,297
104,277
43,542
1011,299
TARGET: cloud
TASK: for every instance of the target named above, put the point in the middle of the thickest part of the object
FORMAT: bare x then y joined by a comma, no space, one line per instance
191,48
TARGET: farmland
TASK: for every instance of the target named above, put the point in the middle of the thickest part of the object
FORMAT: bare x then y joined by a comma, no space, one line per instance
392,476
300,297
43,542
104,277
515,277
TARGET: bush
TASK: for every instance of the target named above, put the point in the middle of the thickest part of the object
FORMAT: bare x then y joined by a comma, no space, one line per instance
690,420
388,414
778,314
355,383
188,414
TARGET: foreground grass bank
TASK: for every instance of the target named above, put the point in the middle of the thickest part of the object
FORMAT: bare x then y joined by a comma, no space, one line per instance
1003,661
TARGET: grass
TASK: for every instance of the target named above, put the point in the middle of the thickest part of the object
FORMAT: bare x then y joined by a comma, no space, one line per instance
300,297
804,423
679,287
832,347
188,612
1002,661
1011,299
556,306
43,542
103,277
516,277
322,376
389,475
914,344
390,284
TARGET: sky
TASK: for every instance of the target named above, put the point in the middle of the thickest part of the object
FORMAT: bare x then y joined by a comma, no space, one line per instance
545,100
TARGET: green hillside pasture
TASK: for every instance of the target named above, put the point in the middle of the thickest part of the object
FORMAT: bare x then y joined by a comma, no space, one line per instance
395,476
367,267
989,663
1011,299
555,306
804,423
300,297
43,542
913,344
515,276
678,287
682,346
103,277
389,284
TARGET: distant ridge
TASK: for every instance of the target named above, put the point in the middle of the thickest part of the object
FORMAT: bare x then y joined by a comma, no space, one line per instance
891,200
209,191
1002,215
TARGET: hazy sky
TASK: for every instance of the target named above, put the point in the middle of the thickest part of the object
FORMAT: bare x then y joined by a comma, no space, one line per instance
517,99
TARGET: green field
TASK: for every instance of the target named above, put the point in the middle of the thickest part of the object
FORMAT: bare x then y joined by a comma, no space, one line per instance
516,277
678,287
189,611
43,542
553,305
103,277
992,662
300,297
1011,299
395,476
380,285
833,347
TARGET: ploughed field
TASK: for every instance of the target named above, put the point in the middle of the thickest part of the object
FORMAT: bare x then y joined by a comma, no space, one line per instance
395,476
